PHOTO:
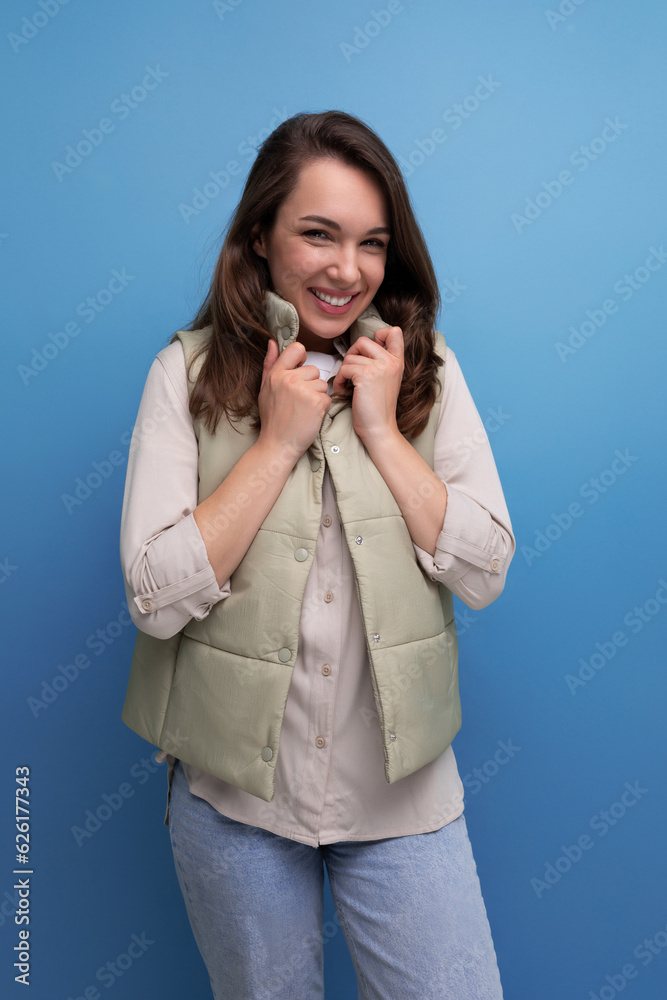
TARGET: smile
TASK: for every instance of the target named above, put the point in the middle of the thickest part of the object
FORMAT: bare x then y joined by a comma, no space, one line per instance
342,301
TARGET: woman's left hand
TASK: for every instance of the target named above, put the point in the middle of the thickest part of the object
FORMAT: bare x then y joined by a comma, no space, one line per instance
376,369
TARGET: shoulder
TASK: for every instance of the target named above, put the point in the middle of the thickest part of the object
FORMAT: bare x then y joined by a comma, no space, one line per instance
175,359
169,369
451,365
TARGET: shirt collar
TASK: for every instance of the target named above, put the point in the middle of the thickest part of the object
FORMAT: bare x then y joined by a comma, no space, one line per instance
282,321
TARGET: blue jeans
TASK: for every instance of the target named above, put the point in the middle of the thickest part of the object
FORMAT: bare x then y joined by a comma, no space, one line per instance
411,909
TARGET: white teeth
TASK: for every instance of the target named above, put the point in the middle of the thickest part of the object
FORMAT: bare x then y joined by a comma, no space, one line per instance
330,300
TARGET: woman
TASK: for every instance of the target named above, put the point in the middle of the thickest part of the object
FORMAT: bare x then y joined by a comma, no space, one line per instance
302,500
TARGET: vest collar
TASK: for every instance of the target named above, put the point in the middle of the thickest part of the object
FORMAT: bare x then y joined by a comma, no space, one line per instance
282,321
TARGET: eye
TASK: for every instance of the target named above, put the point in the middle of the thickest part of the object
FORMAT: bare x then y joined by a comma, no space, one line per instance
317,233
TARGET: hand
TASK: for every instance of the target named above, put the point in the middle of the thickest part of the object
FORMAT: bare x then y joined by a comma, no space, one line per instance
292,400
376,369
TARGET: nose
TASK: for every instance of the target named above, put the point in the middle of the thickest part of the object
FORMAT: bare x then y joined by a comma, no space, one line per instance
344,267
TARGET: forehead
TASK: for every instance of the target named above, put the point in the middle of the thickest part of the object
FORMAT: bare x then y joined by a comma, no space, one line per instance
343,189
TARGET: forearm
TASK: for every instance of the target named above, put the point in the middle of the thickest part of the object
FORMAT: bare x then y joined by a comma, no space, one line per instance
230,517
418,491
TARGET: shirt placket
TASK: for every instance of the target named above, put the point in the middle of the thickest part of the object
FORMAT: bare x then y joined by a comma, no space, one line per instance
321,621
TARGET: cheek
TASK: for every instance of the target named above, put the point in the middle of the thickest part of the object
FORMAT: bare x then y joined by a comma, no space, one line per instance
299,268
376,273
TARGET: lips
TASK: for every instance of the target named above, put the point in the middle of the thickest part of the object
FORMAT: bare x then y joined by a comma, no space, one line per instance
327,307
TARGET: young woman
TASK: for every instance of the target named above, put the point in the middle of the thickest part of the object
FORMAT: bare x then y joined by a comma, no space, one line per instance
309,483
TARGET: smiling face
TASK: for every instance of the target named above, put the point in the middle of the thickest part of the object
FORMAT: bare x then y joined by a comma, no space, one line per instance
327,249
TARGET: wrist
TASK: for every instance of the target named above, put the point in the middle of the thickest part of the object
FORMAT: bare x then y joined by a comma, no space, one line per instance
280,455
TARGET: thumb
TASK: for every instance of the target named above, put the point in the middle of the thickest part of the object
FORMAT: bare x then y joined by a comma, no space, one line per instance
271,356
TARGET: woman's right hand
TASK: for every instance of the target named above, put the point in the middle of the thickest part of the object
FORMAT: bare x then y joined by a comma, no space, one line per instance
292,399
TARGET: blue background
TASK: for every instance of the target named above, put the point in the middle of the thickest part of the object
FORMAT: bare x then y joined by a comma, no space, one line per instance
227,74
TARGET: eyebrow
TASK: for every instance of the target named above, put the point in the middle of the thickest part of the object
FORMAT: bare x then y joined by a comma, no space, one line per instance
334,225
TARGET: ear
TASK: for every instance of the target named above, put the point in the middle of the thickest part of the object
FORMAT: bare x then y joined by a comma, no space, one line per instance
258,241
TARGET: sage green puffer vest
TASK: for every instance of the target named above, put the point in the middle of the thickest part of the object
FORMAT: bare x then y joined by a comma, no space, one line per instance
214,695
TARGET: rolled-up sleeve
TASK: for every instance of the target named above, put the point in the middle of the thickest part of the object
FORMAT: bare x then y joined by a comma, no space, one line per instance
168,577
476,543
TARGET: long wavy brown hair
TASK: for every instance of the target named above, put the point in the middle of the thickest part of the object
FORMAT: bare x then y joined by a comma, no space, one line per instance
230,376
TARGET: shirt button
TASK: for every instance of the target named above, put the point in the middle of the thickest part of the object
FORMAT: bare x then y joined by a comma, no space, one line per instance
335,449
285,332
326,520
320,742
495,565
284,654
392,736
267,753
376,637
301,555
359,539
147,605
326,669
328,597
314,464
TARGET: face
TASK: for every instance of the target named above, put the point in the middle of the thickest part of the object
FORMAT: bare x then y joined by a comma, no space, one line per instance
327,249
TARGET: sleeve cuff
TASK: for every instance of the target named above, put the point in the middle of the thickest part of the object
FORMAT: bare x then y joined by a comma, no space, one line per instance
179,548
467,539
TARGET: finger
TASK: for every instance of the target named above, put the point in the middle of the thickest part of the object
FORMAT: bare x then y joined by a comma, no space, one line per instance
292,356
391,338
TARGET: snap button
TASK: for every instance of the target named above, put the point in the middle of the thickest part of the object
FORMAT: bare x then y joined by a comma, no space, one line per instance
320,742
335,449
301,555
392,736
147,605
314,464
376,637
358,539
326,669
285,332
326,520
267,753
495,565
284,654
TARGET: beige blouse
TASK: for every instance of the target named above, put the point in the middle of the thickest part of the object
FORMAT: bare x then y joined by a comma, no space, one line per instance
330,783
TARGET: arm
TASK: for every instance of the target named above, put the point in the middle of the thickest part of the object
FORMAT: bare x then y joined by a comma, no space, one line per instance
178,556
456,514
168,577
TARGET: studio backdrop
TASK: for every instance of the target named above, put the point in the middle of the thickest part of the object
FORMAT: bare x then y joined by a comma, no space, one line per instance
531,135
